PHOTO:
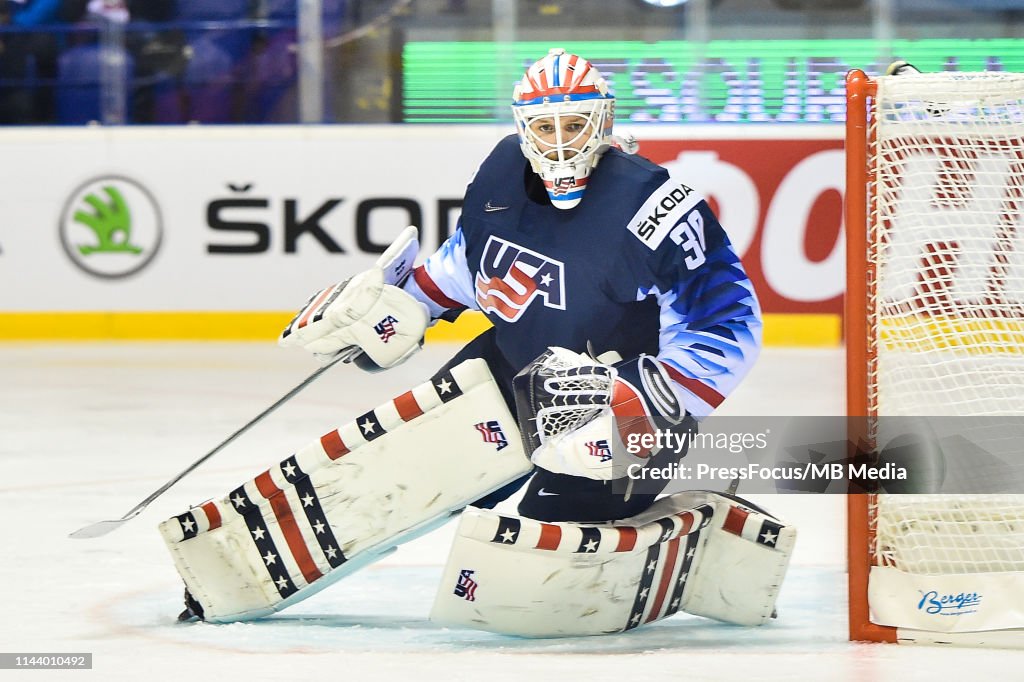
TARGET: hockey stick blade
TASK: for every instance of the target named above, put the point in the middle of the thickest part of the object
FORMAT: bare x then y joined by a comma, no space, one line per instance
101,528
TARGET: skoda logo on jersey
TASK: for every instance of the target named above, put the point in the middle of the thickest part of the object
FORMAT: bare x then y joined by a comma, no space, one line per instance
512,276
662,211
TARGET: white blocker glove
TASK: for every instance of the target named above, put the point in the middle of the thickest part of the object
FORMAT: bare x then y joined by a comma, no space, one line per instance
368,314
575,411
381,320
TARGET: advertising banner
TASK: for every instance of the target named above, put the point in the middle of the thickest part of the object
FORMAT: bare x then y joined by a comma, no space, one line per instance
257,219
249,219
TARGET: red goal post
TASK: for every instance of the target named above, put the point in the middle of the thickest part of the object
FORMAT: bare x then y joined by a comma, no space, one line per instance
860,90
934,326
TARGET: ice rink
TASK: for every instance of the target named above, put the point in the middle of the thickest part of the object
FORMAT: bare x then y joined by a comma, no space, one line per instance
90,430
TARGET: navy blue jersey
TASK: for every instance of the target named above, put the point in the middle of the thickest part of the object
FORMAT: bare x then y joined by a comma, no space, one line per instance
641,265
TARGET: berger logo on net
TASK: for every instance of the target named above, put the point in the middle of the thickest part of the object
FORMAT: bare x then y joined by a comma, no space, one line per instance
938,603
111,227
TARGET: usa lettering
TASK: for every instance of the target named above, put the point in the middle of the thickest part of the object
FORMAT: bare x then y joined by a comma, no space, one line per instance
386,328
511,277
599,449
466,586
563,185
492,433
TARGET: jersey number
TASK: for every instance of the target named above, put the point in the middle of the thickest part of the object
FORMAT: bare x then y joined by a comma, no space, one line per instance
689,234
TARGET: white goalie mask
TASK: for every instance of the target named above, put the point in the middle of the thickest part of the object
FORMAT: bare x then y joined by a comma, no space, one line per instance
564,114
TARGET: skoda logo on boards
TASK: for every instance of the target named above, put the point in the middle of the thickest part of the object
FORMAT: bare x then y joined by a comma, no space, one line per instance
111,227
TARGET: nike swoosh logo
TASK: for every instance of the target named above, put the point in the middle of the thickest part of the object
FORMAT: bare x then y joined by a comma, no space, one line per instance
490,208
545,493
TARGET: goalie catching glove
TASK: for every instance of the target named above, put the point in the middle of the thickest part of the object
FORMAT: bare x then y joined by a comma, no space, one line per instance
368,314
575,410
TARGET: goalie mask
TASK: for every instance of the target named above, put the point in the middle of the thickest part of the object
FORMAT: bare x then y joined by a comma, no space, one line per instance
563,113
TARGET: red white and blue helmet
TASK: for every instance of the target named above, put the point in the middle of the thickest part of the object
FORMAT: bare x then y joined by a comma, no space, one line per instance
558,86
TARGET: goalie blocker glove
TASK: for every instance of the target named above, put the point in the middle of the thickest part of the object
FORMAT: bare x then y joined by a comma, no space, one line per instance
575,411
381,320
369,317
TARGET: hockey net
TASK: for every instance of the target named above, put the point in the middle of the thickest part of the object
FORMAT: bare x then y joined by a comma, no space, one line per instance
935,329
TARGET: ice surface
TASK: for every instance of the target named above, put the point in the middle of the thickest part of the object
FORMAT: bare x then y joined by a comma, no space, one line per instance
89,430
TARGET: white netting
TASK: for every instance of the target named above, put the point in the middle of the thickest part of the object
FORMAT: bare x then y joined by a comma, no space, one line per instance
950,533
569,379
946,273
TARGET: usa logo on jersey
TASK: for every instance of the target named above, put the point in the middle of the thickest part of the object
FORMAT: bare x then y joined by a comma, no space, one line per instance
511,277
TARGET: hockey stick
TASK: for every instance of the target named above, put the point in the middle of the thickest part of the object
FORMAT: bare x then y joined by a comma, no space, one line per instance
101,528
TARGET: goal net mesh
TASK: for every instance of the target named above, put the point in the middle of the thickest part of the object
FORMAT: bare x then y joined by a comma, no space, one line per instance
946,300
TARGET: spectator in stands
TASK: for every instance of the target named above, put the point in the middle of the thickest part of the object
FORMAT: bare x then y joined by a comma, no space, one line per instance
119,10
28,58
157,52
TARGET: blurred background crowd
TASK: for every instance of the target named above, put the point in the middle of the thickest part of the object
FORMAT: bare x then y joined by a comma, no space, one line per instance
390,61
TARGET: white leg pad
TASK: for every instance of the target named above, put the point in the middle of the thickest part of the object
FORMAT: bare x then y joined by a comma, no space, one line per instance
349,498
742,566
522,577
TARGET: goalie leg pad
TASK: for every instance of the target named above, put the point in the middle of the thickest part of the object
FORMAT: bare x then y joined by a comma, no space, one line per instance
522,577
743,563
347,499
